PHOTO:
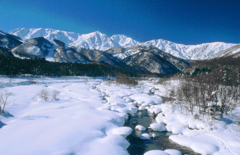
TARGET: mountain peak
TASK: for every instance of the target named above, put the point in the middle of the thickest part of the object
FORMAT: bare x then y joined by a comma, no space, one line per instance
96,32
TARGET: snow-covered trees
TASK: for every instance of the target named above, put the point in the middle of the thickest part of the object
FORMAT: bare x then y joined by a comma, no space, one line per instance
213,100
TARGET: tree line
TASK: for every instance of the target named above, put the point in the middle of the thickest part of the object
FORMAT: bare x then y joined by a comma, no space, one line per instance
12,66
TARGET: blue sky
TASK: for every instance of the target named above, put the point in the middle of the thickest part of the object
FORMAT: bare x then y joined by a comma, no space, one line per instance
180,21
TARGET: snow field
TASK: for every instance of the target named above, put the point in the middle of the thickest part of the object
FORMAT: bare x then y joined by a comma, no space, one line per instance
87,117
71,124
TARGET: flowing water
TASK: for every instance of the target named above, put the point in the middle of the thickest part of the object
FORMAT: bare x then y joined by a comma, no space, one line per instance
160,142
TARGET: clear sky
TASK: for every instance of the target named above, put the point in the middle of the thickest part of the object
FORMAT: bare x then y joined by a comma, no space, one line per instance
180,21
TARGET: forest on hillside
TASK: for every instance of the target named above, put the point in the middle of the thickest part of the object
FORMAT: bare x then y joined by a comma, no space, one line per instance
12,66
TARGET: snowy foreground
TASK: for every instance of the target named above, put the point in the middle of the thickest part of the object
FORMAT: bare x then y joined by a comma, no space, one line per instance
85,117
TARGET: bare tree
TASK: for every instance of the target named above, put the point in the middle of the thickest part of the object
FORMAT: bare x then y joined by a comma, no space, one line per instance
203,98
4,99
187,90
43,94
124,79
235,98
179,99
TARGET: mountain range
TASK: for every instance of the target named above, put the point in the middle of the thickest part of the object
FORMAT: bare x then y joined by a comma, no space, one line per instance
100,41
155,56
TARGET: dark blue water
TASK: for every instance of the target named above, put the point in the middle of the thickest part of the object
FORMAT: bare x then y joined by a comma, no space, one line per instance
160,142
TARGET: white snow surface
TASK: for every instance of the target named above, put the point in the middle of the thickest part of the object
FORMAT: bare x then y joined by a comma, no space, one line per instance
144,136
156,152
228,52
165,152
124,131
145,99
100,41
140,128
93,40
157,127
70,125
87,117
204,138
173,152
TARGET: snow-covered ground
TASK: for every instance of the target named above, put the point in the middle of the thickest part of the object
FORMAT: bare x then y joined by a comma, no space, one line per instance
85,116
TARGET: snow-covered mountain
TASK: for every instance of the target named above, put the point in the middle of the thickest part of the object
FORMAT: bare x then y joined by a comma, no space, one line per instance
154,60
189,52
136,58
9,41
233,51
24,33
34,48
100,41
93,40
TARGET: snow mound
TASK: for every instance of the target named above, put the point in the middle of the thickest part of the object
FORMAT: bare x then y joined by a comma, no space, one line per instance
144,136
145,99
154,109
177,128
157,127
159,118
204,148
156,152
153,135
140,128
173,152
198,145
124,131
116,140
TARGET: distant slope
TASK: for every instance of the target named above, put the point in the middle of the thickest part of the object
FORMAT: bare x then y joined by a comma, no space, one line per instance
233,52
8,40
189,52
100,41
155,61
34,48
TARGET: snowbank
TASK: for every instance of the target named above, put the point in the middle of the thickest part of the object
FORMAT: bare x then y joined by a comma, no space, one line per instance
156,152
157,127
144,136
140,128
145,99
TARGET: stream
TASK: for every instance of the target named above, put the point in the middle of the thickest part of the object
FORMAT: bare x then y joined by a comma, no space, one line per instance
160,142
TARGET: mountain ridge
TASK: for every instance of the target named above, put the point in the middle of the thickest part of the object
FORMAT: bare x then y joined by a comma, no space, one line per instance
134,58
100,41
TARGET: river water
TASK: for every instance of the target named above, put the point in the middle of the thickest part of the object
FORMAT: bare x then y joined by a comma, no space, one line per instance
160,142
